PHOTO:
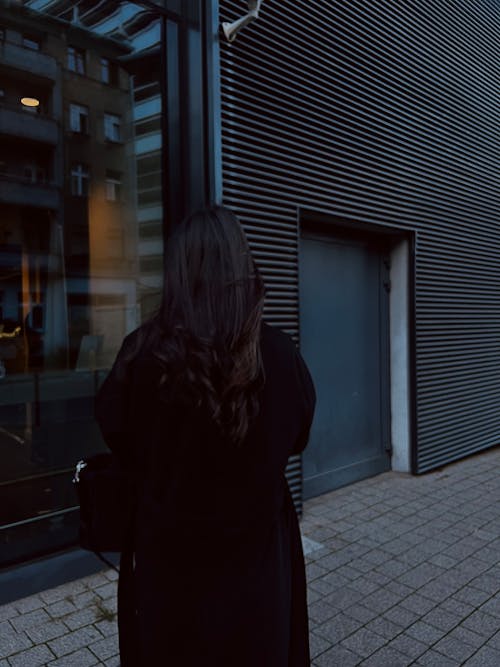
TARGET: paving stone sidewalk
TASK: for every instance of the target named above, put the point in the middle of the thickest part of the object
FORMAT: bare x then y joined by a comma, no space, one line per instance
401,570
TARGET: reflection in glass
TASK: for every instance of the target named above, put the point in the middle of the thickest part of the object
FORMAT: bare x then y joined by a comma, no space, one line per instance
76,60
80,240
79,118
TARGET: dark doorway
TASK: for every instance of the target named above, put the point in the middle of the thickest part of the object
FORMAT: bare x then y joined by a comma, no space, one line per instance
344,337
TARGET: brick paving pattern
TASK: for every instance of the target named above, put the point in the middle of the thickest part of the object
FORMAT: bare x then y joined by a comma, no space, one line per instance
401,571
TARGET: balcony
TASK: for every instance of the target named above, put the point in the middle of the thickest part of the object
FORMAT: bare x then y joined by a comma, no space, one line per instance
25,60
15,190
15,122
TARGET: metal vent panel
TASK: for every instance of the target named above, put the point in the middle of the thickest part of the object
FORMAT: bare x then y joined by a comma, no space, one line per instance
384,113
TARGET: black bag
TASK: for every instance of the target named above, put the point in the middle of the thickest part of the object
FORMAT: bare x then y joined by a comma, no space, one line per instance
107,493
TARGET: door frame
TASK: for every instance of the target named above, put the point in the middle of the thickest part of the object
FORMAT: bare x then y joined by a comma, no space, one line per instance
395,240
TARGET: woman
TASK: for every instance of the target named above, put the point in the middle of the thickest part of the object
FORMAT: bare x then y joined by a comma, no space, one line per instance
206,402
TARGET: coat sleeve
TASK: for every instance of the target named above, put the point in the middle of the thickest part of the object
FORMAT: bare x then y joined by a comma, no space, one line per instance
112,402
308,402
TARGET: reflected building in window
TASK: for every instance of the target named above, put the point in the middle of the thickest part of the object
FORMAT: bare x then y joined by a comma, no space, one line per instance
80,183
138,32
81,240
31,200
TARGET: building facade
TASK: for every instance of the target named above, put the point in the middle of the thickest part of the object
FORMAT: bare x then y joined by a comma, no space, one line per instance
359,146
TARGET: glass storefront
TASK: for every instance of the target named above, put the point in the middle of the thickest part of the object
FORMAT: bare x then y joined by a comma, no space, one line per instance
81,240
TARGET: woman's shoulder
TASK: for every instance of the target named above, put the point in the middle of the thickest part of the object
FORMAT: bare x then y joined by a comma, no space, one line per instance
137,340
142,330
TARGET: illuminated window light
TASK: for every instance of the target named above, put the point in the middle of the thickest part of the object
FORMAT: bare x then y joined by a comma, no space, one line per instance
30,101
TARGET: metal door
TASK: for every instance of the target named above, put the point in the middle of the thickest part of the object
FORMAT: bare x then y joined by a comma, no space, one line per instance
344,334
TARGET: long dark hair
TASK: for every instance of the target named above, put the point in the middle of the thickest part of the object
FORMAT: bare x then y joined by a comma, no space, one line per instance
210,321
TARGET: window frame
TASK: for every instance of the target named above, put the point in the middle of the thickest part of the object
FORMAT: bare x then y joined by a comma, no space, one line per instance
81,172
77,112
32,43
74,58
115,180
105,65
108,121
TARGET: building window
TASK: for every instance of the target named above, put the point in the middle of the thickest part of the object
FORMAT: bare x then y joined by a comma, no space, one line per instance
3,168
2,34
112,127
31,43
105,70
76,60
109,72
80,180
148,126
113,185
79,118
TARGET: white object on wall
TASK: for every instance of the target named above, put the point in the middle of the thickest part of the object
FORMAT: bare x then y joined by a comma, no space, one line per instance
232,29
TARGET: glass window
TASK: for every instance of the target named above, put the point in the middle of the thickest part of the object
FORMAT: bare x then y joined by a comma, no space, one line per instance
148,126
112,127
79,118
113,185
76,60
80,180
31,43
147,91
105,71
81,250
109,72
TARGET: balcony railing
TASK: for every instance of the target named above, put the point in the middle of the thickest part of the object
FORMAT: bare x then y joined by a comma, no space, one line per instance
18,190
36,127
20,58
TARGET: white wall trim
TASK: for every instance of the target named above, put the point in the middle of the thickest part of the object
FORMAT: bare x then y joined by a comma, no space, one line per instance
400,358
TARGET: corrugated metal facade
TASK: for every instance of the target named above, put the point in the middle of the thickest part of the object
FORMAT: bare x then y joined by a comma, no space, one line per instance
384,113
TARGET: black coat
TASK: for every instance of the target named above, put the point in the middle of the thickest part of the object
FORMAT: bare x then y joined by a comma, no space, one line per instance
216,575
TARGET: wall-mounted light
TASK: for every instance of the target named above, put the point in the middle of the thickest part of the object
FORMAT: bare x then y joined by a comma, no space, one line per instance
30,102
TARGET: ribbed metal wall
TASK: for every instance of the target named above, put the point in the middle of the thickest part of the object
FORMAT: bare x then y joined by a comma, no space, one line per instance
388,113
